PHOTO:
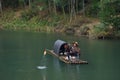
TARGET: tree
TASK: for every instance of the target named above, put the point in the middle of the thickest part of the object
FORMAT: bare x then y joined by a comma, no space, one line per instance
54,6
72,9
83,7
1,6
110,13
49,5
29,3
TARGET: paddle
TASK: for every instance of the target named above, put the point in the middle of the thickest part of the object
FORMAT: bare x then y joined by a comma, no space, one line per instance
42,67
44,52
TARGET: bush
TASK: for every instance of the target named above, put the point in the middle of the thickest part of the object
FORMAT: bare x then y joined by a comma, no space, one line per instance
93,10
100,31
110,14
28,14
7,15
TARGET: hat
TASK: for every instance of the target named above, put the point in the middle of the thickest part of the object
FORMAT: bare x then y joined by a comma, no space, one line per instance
75,43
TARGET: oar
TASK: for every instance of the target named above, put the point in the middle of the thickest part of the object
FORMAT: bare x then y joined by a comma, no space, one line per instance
44,52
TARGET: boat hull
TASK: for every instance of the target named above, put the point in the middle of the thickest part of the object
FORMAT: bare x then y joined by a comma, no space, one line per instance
65,60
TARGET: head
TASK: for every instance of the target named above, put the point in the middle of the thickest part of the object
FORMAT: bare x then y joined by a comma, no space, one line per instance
75,44
65,46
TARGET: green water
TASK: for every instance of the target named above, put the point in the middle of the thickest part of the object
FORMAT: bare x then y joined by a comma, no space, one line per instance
22,52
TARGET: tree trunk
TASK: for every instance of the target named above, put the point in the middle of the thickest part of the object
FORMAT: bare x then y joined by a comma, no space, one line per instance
63,11
24,3
0,6
29,3
49,6
73,13
69,2
55,12
101,6
83,7
77,4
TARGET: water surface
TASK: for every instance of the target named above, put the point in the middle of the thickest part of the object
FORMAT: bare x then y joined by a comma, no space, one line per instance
21,53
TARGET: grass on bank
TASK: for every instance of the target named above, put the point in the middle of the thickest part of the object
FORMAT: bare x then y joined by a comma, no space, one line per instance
23,20
37,22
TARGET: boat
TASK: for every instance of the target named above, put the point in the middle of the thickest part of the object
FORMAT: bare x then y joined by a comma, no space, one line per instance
58,46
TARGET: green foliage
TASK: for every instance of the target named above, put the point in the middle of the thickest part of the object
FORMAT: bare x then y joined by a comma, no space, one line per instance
39,13
7,16
28,14
97,30
93,10
116,22
9,3
110,15
117,35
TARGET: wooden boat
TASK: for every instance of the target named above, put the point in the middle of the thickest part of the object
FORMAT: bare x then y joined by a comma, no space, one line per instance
59,48
63,58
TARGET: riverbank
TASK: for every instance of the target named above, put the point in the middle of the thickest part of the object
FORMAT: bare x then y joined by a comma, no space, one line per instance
43,22
91,28
12,20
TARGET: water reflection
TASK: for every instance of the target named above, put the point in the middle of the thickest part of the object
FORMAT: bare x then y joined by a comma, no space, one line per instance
43,74
64,71
73,71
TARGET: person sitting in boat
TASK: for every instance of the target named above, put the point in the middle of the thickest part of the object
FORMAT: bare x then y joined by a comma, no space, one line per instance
75,50
66,49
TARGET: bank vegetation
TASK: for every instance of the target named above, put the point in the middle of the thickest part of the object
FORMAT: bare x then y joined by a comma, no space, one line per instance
94,19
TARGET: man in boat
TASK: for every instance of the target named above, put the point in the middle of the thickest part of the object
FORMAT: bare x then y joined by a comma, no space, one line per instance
72,50
75,50
66,49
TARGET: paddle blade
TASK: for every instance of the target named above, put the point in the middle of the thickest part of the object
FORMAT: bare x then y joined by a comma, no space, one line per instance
45,52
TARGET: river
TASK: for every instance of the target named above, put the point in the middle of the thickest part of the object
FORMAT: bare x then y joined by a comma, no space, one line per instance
21,58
